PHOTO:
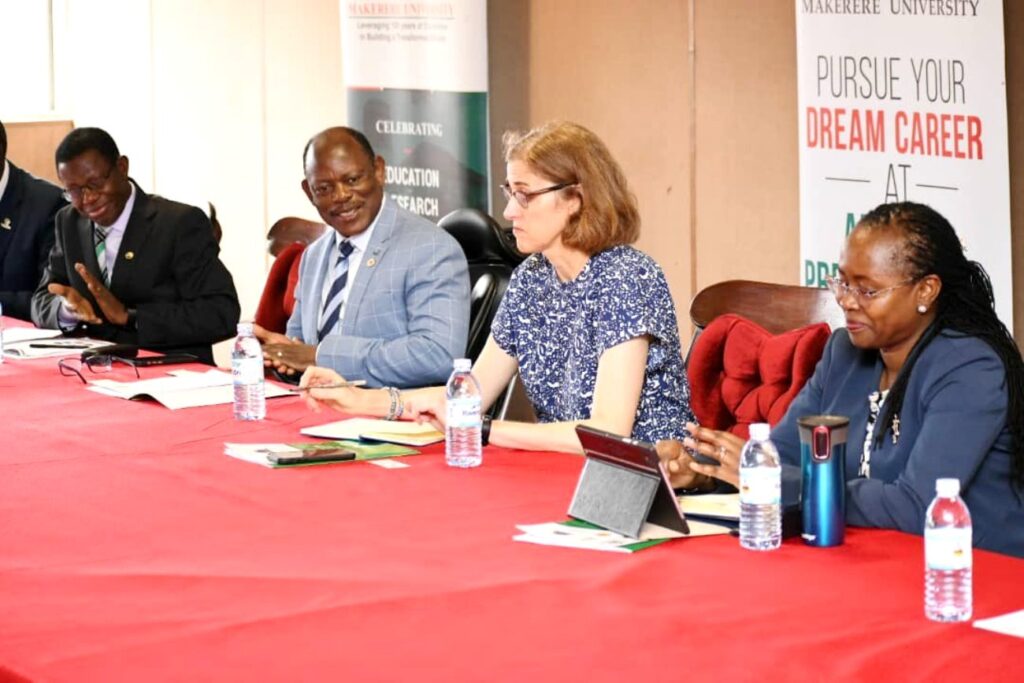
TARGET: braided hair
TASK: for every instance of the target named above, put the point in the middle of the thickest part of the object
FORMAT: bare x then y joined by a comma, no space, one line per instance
965,304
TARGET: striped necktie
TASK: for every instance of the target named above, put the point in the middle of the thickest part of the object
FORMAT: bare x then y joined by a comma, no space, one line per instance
99,238
332,302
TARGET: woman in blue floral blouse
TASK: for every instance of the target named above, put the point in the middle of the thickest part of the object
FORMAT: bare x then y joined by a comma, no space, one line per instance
587,320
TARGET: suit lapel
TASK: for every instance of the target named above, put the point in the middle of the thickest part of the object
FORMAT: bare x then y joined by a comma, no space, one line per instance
82,242
369,266
86,246
11,200
312,303
9,205
133,243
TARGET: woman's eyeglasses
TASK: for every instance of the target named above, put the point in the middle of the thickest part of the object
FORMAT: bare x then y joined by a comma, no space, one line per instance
72,367
523,197
862,294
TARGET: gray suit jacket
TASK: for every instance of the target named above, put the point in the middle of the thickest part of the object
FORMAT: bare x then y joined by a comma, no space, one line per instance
407,313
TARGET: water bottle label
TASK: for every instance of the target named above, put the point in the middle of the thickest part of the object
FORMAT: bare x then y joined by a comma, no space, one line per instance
947,549
761,485
463,412
247,370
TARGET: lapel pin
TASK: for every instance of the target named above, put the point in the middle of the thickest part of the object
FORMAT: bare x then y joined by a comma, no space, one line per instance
5,224
371,262
129,255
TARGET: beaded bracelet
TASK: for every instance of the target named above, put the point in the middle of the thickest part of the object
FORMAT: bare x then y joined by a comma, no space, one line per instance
396,407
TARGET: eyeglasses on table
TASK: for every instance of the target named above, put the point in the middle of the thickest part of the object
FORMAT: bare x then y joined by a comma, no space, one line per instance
72,367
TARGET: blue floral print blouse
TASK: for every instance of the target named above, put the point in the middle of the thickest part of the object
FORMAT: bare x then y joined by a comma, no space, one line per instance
557,332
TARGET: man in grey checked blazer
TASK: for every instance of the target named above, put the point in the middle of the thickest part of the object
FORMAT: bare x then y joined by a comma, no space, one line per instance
384,297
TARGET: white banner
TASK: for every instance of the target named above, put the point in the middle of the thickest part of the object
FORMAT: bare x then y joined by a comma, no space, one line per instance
904,100
425,45
416,74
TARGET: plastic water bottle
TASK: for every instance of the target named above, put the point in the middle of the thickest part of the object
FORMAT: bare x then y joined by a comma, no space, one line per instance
760,491
247,373
462,441
947,555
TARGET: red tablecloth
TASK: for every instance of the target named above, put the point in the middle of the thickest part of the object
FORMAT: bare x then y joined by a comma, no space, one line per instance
132,549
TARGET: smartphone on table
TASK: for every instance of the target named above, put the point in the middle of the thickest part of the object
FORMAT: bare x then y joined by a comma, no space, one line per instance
311,456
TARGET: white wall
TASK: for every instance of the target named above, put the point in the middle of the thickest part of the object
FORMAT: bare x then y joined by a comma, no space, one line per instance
211,100
25,32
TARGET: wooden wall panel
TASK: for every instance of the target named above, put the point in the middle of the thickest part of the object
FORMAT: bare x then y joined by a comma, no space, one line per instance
31,145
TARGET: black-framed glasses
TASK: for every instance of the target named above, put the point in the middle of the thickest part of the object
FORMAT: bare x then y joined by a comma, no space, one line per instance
862,294
93,187
523,197
72,367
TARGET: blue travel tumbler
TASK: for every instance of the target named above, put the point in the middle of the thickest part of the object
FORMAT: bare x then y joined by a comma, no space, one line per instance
823,461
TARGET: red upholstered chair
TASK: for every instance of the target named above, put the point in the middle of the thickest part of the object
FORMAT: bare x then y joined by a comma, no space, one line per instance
286,240
755,347
740,373
278,298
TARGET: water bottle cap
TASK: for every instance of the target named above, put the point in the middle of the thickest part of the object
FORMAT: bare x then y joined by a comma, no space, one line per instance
244,329
760,431
947,488
463,365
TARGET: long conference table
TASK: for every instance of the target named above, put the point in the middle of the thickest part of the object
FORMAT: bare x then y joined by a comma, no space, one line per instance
132,548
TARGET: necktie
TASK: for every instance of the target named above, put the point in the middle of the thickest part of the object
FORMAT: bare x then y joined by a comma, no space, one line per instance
332,303
99,237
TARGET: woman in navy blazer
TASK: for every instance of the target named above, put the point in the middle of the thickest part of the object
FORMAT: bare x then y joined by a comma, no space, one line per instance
932,381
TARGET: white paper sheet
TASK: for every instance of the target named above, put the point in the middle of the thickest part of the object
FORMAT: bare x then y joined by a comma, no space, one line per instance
1011,624
48,346
562,535
257,452
12,335
182,389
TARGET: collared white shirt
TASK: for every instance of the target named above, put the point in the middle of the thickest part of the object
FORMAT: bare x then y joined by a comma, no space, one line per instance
355,259
4,177
115,233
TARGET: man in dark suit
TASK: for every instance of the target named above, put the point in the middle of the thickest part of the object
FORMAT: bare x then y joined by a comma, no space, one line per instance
27,209
127,266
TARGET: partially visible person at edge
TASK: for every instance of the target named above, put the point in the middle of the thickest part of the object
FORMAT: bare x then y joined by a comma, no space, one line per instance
587,321
130,267
28,206
931,380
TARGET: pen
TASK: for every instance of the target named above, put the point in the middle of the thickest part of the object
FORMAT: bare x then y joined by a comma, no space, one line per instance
57,345
339,385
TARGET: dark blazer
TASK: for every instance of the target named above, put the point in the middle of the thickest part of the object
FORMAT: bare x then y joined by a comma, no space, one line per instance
953,424
167,269
27,211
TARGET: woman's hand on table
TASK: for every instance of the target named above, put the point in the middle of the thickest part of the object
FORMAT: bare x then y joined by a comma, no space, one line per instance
339,398
426,406
722,447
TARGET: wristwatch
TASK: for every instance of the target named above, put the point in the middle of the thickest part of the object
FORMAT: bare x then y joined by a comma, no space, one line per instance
485,430
132,322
